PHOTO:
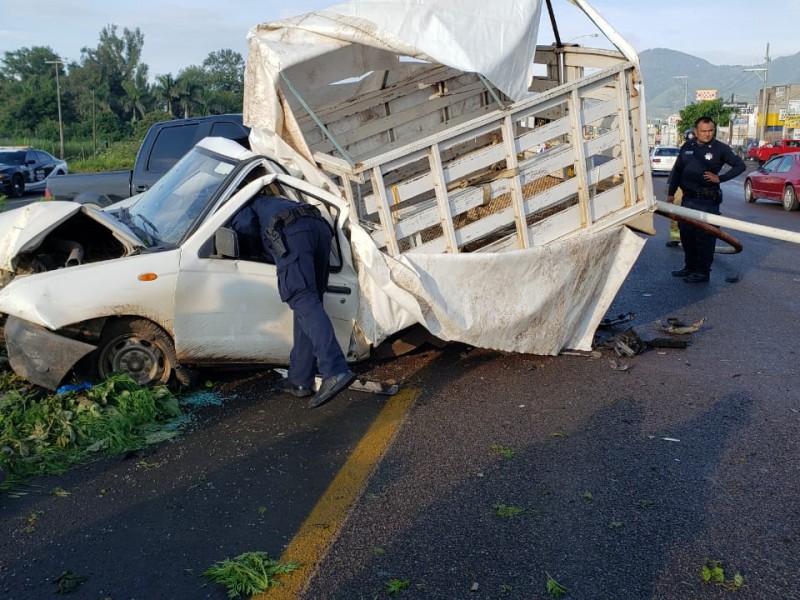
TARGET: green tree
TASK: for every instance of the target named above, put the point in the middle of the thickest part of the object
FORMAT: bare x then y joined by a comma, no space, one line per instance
28,89
116,63
709,108
225,69
190,84
165,92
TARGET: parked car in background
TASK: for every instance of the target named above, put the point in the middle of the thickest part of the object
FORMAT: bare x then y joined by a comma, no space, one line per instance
165,143
24,169
662,158
777,179
763,153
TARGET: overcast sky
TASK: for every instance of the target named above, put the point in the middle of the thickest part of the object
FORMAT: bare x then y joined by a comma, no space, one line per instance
180,34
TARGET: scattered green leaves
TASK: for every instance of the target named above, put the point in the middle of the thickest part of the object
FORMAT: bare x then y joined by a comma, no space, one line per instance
712,572
249,573
395,586
507,512
560,434
503,451
587,495
68,582
45,434
31,521
554,588
59,492
615,524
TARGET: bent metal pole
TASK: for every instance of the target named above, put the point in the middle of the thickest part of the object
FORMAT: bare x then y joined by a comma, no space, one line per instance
720,221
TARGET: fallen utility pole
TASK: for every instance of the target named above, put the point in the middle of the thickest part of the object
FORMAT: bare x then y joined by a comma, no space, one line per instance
735,224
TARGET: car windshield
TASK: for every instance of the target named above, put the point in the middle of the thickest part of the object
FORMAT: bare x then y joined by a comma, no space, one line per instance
667,151
12,158
168,211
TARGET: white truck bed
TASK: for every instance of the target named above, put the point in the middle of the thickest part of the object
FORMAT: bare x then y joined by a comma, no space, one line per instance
492,190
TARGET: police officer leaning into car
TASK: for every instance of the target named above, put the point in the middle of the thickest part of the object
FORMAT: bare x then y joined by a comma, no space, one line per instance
697,173
298,239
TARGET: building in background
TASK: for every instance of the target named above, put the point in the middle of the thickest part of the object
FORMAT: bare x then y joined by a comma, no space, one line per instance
782,112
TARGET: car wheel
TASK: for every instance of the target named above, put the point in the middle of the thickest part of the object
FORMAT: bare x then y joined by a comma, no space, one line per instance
139,348
748,192
790,199
17,186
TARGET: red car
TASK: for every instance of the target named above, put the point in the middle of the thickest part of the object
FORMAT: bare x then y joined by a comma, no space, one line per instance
776,179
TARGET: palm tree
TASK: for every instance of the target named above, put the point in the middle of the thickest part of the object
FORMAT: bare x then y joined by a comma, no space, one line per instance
166,91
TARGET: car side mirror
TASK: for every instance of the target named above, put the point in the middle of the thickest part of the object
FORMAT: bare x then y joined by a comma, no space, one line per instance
226,243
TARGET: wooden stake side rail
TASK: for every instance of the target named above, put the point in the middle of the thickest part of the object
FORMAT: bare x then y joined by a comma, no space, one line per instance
478,178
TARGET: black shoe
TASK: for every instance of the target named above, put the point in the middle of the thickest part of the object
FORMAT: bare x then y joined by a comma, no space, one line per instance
673,243
330,387
287,387
682,272
696,278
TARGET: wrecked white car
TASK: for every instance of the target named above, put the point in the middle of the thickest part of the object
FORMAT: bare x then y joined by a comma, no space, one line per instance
489,191
157,284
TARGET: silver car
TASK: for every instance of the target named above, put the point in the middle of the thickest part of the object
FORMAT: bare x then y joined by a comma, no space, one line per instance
662,158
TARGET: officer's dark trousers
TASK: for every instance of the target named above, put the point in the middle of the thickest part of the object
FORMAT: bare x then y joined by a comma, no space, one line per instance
698,245
302,279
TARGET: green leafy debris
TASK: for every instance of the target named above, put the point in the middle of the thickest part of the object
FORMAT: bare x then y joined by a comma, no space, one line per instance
506,511
554,588
712,572
395,586
68,582
45,434
503,451
249,573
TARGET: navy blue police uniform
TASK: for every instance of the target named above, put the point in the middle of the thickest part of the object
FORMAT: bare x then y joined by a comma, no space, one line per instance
695,159
298,240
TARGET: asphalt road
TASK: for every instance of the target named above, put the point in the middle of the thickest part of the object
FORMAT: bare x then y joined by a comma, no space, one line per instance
629,474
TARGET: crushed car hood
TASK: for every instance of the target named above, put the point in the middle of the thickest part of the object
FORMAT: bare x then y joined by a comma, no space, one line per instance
25,228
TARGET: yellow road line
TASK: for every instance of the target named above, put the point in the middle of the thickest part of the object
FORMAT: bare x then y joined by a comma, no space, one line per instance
320,529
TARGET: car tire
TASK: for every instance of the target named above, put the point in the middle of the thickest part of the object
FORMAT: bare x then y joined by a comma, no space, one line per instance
139,348
749,196
17,186
790,202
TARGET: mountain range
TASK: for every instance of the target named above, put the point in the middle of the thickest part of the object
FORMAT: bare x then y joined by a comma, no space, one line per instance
665,94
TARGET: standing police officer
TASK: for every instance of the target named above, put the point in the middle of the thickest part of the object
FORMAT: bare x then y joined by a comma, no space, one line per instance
298,239
697,173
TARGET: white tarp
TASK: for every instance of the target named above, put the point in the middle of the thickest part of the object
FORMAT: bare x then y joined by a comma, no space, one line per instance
495,39
539,300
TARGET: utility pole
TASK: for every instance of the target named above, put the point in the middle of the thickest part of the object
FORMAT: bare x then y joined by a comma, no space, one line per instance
764,103
685,88
56,63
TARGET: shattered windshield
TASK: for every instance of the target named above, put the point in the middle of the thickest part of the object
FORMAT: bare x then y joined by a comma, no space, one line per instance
170,209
